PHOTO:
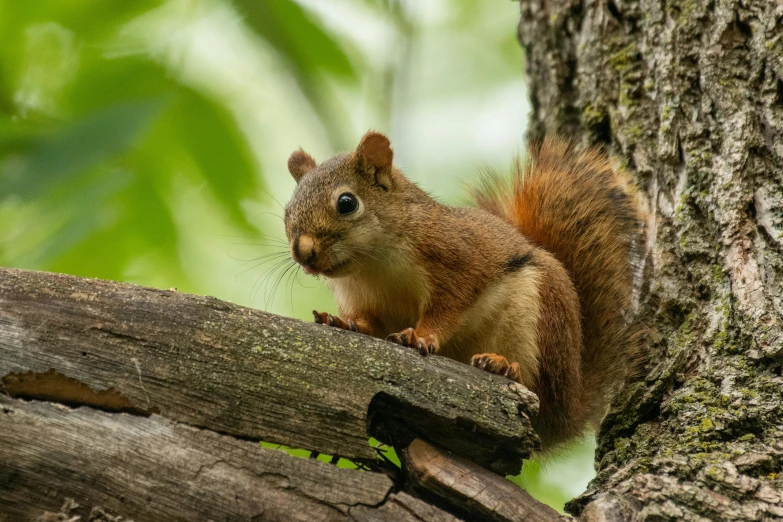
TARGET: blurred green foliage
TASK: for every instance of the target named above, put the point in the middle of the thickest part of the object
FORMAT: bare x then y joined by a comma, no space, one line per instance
90,141
145,141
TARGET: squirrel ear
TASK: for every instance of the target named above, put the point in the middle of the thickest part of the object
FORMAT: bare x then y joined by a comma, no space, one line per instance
299,164
374,155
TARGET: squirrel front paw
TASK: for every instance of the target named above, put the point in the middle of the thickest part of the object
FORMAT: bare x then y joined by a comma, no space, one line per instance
497,364
333,320
424,344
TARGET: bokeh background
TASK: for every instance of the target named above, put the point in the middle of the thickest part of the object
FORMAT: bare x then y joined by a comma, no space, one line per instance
146,141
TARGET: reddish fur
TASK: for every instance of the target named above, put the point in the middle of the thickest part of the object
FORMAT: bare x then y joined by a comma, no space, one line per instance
575,205
560,381
555,254
300,163
375,151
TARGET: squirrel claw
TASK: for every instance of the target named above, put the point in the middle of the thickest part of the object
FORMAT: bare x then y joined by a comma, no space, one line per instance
497,364
334,321
423,345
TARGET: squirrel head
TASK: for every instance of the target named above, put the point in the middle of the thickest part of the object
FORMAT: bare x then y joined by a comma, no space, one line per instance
336,217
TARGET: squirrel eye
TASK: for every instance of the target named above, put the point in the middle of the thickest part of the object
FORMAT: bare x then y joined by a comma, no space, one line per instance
347,203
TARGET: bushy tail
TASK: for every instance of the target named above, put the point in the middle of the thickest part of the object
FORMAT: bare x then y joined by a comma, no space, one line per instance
575,205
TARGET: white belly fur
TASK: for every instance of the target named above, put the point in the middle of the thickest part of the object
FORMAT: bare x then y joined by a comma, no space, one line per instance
395,294
503,321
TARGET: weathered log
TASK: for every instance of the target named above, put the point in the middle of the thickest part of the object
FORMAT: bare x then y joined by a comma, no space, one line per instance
474,491
250,374
154,469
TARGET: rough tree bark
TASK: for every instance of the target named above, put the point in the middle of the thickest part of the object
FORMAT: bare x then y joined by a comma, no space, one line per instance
689,94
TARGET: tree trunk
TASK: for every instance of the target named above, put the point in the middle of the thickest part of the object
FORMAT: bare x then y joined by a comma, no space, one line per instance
689,95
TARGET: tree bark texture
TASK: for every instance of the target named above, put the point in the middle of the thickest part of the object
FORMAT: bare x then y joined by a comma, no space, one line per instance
154,469
174,391
480,494
689,95
246,373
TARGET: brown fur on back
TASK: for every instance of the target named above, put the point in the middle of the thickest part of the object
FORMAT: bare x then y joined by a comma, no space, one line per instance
573,204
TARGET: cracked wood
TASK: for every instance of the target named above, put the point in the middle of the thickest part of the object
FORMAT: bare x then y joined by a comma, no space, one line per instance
474,491
153,469
246,373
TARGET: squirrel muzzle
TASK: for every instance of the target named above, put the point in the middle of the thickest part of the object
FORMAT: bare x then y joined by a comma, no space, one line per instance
314,256
304,250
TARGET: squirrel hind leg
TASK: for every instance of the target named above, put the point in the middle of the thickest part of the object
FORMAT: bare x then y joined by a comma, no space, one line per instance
497,364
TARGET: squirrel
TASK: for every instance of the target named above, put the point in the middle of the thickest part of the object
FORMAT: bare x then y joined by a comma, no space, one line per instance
532,284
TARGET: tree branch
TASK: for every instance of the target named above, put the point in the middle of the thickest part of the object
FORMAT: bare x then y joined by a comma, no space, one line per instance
158,470
476,492
253,375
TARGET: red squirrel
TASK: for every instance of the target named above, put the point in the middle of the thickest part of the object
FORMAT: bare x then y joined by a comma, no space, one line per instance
531,285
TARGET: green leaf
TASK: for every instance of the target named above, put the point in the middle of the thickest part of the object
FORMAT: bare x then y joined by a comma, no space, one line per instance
209,135
119,228
104,179
91,22
291,31
80,145
310,53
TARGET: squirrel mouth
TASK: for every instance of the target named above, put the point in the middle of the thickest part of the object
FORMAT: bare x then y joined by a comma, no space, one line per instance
328,272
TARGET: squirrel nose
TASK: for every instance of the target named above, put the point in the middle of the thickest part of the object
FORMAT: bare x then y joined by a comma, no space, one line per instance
304,249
